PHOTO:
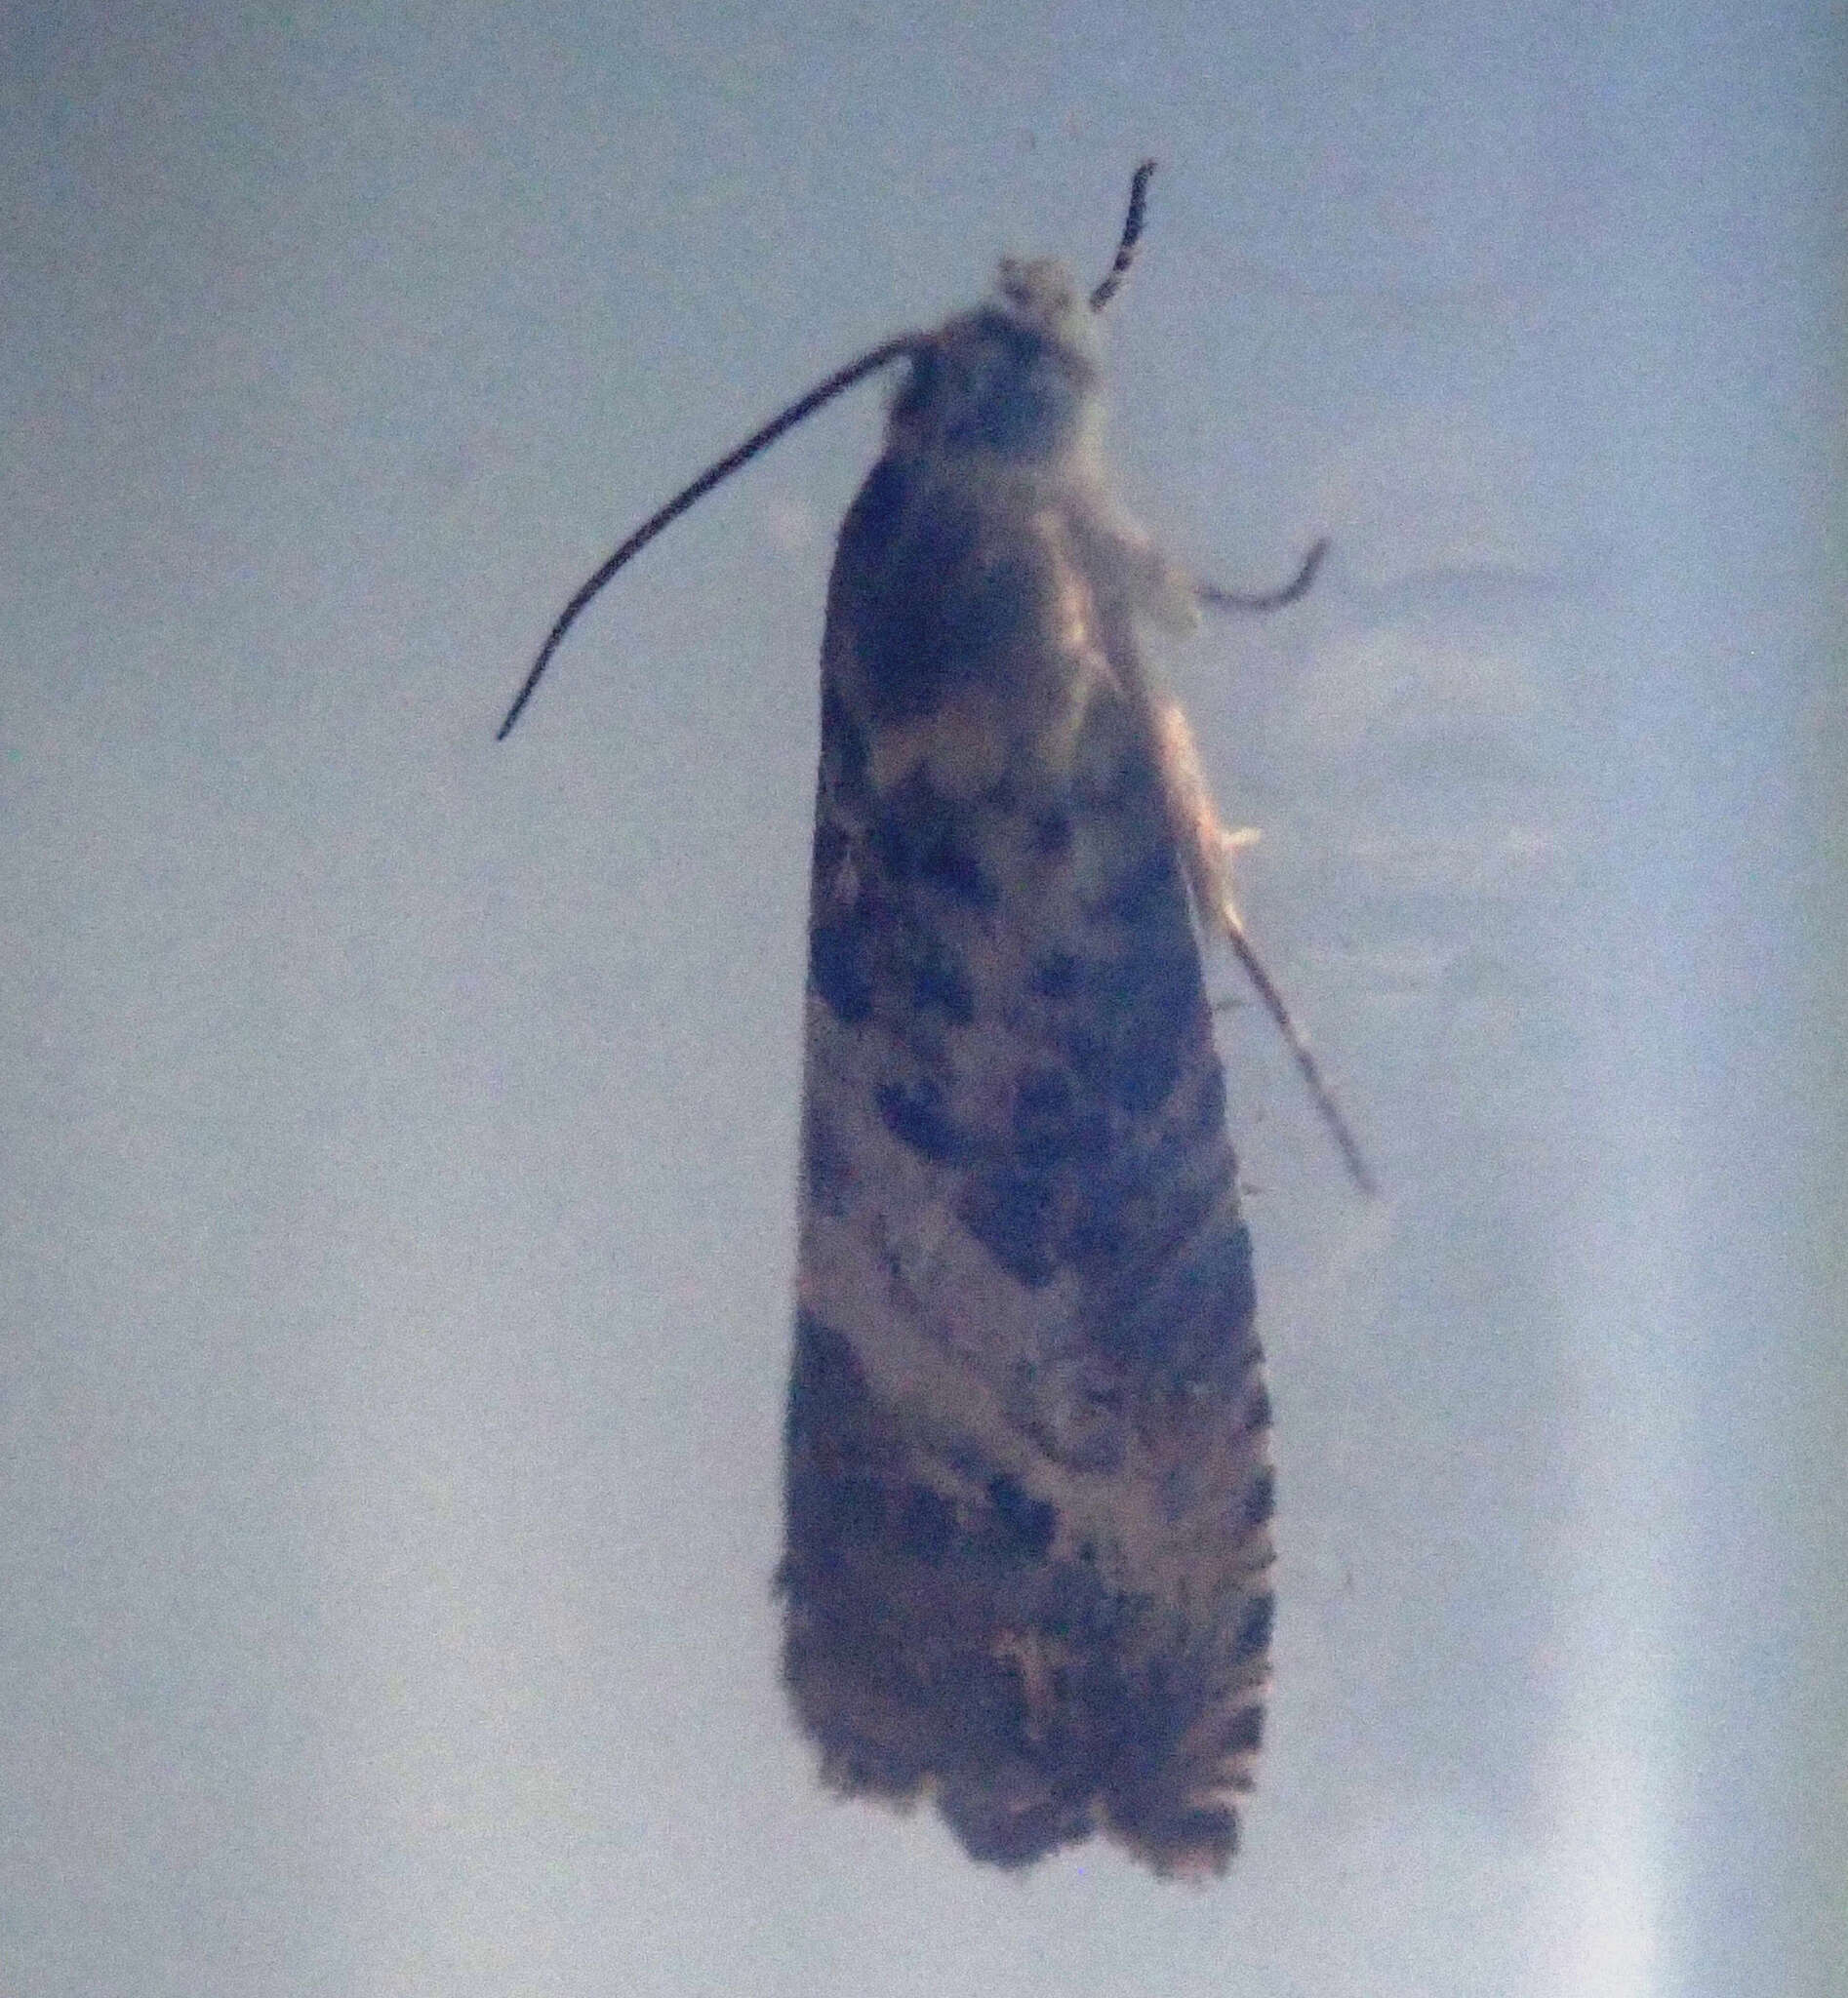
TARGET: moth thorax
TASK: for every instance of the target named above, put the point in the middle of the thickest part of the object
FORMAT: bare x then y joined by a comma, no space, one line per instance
1014,381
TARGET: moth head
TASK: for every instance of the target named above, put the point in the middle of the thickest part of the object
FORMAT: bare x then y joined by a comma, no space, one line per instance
1014,382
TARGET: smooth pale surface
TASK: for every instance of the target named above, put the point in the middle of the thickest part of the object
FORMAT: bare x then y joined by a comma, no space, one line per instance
395,1231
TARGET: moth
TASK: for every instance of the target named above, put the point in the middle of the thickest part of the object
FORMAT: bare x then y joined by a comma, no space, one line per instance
1028,1561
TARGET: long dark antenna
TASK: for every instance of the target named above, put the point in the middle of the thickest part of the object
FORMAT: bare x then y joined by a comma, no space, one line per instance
714,474
1126,245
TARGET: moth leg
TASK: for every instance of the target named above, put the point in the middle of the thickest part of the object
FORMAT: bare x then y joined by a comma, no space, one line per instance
1210,597
1173,599
1206,849
1130,576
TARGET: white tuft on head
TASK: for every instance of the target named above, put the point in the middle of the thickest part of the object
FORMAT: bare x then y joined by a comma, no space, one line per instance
1039,292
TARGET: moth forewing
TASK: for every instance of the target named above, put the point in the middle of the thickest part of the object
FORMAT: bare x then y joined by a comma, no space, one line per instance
1028,1488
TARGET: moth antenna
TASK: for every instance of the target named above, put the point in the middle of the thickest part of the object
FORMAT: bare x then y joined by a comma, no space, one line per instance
1294,1038
1112,279
714,474
1216,599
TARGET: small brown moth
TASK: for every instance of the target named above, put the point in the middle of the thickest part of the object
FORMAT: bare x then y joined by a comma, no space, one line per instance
1028,1561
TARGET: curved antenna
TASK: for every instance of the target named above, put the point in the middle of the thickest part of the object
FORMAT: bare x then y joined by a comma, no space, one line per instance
714,474
1216,599
1112,280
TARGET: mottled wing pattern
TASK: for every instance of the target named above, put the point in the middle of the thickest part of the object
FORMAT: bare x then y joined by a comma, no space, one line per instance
1027,1565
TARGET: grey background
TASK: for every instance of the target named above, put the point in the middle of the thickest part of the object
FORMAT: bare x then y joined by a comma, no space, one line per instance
399,1133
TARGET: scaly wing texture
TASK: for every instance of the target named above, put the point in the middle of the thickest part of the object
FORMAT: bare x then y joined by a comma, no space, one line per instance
1028,1560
